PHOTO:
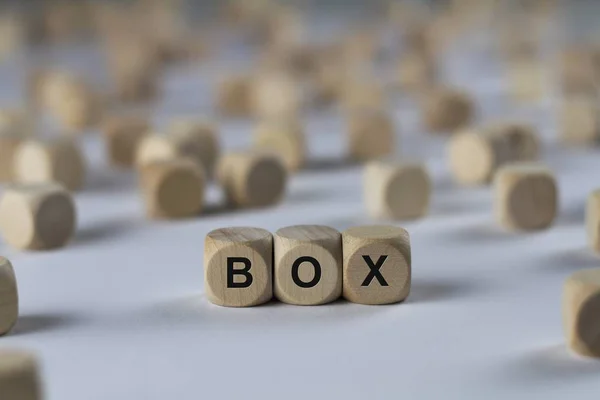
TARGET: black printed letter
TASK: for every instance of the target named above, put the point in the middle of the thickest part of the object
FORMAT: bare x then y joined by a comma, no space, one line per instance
244,271
374,272
296,266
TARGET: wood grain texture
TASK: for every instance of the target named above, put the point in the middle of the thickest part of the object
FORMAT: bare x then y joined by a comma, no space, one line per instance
447,109
9,297
122,135
234,96
579,121
19,375
308,264
396,190
252,178
581,305
475,154
525,197
285,137
173,188
238,266
52,160
371,135
37,216
592,220
377,264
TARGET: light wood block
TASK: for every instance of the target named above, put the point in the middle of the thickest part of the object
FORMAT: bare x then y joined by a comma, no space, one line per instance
447,109
396,190
416,73
173,188
308,264
276,96
252,178
580,121
198,142
475,154
9,143
579,74
527,80
525,197
284,137
238,266
201,140
19,375
37,216
361,94
581,305
592,219
234,96
377,264
59,160
122,135
9,297
371,135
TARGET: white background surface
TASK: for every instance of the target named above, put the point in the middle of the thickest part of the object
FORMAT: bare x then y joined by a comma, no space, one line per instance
121,312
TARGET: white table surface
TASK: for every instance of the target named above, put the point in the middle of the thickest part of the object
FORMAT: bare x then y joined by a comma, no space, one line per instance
121,313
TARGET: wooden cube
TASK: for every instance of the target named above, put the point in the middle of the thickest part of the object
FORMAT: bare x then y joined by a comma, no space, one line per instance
447,109
57,159
122,135
284,137
201,141
580,121
238,266
525,196
592,219
234,96
195,141
581,305
475,154
371,135
173,188
396,190
308,264
377,264
37,216
276,95
19,375
9,297
252,178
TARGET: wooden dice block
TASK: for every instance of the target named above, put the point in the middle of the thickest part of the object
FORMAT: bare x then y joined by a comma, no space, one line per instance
525,197
447,109
371,135
284,137
58,160
19,376
527,79
396,190
9,297
122,135
362,94
238,266
581,305
377,264
276,95
416,73
252,178
476,153
308,265
201,139
37,216
592,219
580,121
234,96
173,188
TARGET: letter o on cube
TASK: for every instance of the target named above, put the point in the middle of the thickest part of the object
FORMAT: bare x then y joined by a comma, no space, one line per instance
238,266
308,264
377,264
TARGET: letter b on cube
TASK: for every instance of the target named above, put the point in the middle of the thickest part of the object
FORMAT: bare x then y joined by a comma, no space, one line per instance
238,266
